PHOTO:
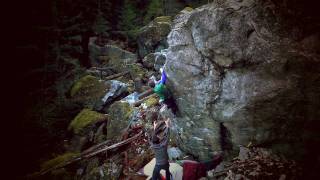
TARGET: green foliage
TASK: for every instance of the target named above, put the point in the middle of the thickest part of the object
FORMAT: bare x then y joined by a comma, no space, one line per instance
85,118
154,10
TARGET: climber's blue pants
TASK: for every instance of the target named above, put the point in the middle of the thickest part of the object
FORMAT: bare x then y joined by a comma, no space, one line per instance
163,78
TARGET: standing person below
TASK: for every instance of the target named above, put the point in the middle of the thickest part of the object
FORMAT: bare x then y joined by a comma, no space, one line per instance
159,145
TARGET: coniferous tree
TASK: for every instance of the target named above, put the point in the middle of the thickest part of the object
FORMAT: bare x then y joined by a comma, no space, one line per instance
100,28
154,10
128,16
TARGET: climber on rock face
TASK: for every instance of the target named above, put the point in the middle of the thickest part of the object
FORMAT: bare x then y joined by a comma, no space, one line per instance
159,144
160,86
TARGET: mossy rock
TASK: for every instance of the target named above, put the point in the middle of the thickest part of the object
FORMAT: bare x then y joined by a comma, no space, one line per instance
153,35
151,102
163,19
58,160
136,71
119,116
95,174
88,90
84,119
109,171
109,55
61,174
187,9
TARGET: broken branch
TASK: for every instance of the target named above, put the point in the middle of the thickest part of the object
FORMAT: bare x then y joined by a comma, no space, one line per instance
91,154
116,75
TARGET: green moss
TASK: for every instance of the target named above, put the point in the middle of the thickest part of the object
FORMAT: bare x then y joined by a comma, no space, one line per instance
84,119
122,109
58,160
88,90
87,85
189,9
151,102
165,19
136,70
119,116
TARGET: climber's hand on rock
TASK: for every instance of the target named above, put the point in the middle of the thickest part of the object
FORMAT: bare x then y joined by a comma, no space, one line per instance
167,122
154,125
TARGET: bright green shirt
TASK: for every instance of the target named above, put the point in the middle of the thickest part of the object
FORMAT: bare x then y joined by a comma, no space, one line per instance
161,90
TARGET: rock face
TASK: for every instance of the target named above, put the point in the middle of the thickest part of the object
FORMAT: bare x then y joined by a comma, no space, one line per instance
90,92
120,114
109,55
153,37
238,77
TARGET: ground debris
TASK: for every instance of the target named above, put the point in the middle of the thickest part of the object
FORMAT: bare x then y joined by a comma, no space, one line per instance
259,163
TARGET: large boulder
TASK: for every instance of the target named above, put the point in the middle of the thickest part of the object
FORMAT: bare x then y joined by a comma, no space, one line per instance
239,76
153,37
60,173
160,59
116,90
155,60
109,55
84,127
85,120
148,60
120,113
90,92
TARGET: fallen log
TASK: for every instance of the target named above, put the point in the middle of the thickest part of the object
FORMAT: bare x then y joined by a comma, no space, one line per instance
127,141
142,100
95,147
103,69
91,154
116,75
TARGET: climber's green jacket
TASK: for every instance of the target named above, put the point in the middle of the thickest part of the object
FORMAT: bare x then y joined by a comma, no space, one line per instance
161,90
